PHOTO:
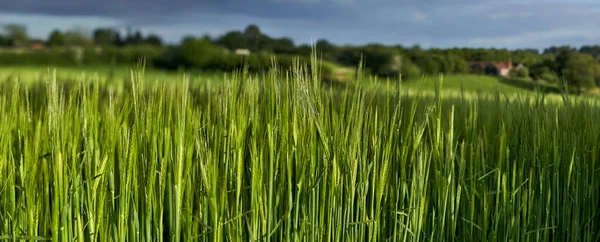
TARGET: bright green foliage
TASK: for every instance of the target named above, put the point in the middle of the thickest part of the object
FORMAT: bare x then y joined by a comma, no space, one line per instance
272,159
523,72
410,70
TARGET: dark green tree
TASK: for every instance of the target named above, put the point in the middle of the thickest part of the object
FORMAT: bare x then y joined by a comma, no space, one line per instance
154,39
17,34
578,70
283,46
233,40
382,61
591,49
457,64
4,41
105,36
118,41
56,38
329,51
77,36
303,50
558,49
134,38
324,45
546,70
254,38
409,70
349,56
523,72
198,53
252,31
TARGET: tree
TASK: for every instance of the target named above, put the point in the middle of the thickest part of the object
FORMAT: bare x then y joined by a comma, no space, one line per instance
329,50
198,53
283,46
77,36
592,50
457,64
252,32
233,40
381,61
56,38
409,70
558,49
4,41
324,45
527,57
349,56
138,38
105,36
134,39
545,70
154,40
118,41
207,37
523,72
429,63
17,34
578,69
483,55
304,50
597,74
254,38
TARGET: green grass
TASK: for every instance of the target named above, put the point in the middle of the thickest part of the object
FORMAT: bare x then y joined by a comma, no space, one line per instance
452,83
483,84
121,73
289,160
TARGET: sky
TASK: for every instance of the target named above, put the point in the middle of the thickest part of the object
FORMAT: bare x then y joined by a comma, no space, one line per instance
508,24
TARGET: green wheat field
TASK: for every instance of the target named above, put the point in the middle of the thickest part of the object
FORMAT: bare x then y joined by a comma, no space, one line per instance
282,157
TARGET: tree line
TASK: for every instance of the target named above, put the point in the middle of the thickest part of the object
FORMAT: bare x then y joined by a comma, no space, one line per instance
15,35
579,67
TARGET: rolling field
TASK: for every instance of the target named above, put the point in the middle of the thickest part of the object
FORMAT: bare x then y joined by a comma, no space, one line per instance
475,84
86,158
119,73
483,84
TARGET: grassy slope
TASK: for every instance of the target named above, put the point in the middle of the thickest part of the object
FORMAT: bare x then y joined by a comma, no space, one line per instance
468,83
477,83
120,72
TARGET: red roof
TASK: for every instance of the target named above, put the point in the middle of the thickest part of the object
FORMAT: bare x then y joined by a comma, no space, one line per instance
37,45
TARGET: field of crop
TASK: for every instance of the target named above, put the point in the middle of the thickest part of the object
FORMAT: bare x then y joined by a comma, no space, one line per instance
485,84
119,73
288,159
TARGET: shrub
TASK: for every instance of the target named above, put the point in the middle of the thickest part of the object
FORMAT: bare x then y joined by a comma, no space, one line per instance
523,72
410,70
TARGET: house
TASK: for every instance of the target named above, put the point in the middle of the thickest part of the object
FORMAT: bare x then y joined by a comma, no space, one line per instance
37,45
491,68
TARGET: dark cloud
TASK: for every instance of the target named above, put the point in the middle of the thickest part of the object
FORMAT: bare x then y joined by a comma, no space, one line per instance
152,10
113,8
